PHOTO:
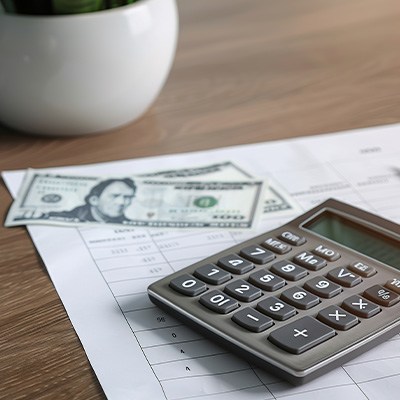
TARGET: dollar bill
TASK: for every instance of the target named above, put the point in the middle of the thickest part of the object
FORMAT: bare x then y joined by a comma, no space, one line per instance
226,170
276,203
56,199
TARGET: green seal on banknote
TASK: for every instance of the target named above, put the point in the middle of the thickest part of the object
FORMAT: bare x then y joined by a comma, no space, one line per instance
205,202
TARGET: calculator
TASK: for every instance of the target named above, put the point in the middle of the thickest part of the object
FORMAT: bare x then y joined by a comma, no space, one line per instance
298,300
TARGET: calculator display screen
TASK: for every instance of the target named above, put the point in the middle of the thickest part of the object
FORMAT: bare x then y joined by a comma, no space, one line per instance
357,237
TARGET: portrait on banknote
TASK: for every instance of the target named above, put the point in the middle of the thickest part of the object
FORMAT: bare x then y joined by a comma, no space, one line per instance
106,202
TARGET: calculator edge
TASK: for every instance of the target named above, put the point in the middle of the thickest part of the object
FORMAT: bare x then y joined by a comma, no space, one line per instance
290,375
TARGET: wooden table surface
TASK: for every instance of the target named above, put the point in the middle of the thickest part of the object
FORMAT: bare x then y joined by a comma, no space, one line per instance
245,71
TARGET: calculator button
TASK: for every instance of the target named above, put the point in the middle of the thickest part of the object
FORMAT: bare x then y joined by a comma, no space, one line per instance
310,261
210,273
393,284
327,253
361,307
362,269
292,238
337,318
235,264
257,254
301,335
379,295
288,270
322,287
266,280
242,290
219,302
188,285
344,277
276,246
252,320
276,309
299,298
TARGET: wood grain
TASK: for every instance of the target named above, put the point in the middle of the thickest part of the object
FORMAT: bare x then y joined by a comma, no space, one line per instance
245,71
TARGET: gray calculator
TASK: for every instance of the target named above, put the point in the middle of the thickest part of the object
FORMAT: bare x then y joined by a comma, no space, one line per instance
298,300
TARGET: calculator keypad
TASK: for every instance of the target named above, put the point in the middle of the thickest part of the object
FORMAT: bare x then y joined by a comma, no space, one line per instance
275,277
283,292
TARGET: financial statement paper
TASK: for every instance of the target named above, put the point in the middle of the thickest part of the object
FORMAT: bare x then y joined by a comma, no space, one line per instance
140,352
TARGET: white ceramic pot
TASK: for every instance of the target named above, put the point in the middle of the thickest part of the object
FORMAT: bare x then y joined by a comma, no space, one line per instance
84,73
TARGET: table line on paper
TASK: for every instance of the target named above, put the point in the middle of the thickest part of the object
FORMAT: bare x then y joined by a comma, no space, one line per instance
203,375
188,358
185,341
225,392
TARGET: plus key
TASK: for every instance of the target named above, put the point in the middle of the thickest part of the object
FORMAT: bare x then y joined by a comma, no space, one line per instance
301,335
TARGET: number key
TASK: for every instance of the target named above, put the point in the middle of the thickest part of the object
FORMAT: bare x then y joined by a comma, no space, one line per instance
235,264
242,290
275,308
210,273
299,298
266,280
322,287
257,254
219,302
188,285
288,270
